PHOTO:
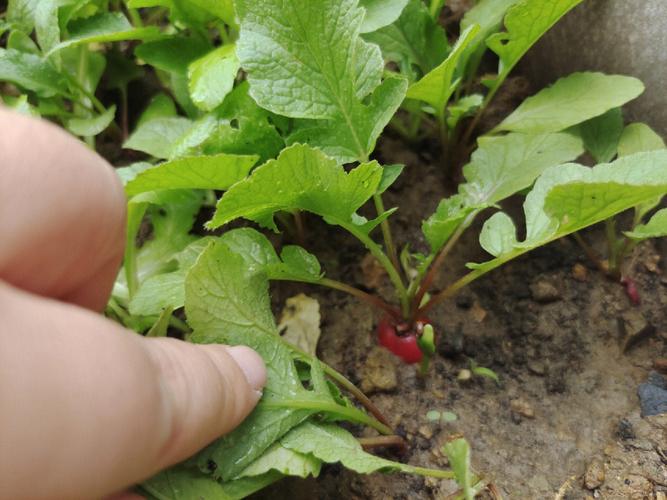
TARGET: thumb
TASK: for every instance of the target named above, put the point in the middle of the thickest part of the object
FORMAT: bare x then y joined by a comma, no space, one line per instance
95,408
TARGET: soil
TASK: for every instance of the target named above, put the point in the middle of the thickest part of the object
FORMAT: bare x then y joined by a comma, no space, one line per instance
569,348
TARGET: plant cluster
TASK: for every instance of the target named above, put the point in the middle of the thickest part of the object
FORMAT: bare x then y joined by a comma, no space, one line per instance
278,106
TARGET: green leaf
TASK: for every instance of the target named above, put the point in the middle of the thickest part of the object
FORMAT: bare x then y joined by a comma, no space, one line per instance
294,264
389,175
332,444
4,26
160,106
437,86
159,293
307,61
570,197
352,137
488,15
380,13
173,54
416,42
458,453
572,100
285,461
223,9
228,303
130,172
157,136
198,172
302,178
121,71
498,237
102,28
482,371
239,126
47,22
637,138
601,135
464,107
22,14
212,77
31,72
449,215
21,105
17,40
525,23
172,214
167,290
656,227
500,167
89,127
159,329
180,483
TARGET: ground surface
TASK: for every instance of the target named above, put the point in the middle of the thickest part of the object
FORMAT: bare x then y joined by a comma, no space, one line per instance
567,344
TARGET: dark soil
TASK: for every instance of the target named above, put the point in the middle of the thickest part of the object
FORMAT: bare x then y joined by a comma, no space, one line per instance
569,348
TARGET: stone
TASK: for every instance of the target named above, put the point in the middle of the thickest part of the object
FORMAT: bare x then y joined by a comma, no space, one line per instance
536,367
521,407
426,431
653,395
595,474
634,328
544,291
579,272
613,36
379,371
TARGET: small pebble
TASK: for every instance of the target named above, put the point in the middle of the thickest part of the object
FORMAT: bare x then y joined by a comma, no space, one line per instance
536,367
594,476
521,407
660,365
580,273
544,292
426,431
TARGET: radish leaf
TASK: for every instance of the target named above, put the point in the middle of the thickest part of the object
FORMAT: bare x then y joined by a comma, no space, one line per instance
308,61
301,178
637,138
571,100
602,134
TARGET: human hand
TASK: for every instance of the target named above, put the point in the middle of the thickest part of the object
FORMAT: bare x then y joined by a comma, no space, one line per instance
87,407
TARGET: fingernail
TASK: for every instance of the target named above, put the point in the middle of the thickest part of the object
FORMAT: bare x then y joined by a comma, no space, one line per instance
251,364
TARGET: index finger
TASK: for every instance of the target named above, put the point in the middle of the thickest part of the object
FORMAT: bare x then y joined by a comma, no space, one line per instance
62,214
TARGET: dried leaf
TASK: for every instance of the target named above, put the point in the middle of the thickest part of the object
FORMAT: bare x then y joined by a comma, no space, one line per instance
300,322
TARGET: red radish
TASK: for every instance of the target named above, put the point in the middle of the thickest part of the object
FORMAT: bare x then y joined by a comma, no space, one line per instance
631,290
400,339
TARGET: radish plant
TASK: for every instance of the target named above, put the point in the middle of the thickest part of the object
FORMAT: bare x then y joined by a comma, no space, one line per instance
606,137
263,109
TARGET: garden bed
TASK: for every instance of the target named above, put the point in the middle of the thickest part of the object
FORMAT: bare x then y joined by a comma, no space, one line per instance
569,348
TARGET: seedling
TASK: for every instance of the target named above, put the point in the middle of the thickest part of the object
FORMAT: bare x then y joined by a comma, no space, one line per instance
606,137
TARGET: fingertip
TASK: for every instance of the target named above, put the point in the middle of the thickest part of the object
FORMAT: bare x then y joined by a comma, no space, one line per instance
251,364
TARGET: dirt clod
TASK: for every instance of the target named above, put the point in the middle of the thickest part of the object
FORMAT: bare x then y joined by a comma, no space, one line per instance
372,271
379,371
595,474
544,291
